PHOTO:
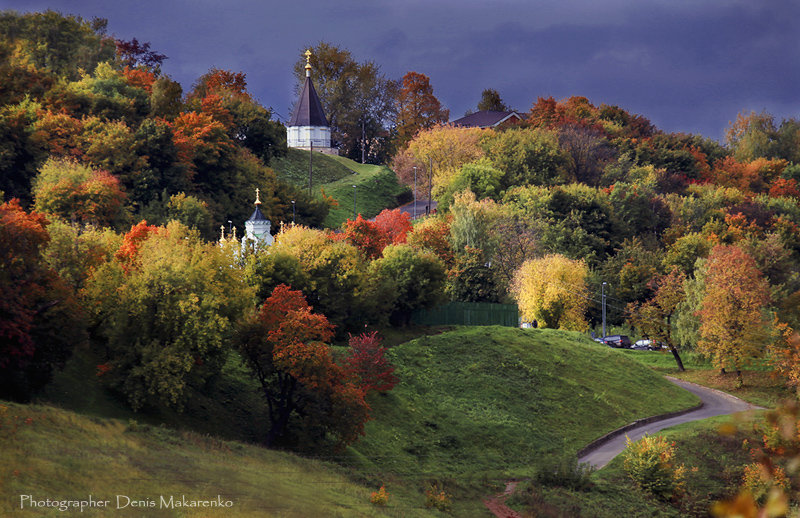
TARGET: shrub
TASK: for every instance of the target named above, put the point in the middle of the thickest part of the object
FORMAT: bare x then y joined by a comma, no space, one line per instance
566,473
650,464
758,481
437,498
379,497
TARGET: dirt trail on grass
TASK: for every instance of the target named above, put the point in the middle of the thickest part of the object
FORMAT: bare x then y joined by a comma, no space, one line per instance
497,504
714,403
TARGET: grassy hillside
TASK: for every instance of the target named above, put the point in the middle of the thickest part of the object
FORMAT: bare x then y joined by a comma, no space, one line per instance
376,186
486,403
474,407
51,453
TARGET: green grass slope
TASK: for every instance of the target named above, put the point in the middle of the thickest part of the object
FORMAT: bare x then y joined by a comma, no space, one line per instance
492,402
376,188
55,454
293,168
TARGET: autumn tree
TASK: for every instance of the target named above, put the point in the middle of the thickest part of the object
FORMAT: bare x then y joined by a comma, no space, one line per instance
552,291
395,224
223,95
366,362
365,235
74,192
164,310
433,235
308,395
40,319
491,101
417,107
338,283
732,321
438,154
654,317
134,54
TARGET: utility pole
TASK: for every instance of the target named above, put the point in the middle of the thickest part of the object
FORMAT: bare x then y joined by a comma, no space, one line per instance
603,298
363,140
415,193
310,166
293,212
430,183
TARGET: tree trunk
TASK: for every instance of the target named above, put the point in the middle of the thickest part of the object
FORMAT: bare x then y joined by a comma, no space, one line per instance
722,371
677,358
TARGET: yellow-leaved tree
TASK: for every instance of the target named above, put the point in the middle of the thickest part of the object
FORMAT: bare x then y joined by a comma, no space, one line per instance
552,290
733,324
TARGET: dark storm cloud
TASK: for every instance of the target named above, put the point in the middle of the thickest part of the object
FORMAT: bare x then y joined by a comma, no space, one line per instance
688,66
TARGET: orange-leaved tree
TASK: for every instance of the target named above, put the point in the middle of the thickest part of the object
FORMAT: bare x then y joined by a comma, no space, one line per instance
395,224
308,395
366,236
732,321
417,107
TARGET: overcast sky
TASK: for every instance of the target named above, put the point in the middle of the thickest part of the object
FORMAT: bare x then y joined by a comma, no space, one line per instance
687,65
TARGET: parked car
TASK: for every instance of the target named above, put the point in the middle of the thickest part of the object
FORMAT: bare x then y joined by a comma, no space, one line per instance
617,341
646,344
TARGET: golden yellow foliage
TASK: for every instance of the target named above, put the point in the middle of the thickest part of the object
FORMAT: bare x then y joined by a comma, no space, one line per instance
552,290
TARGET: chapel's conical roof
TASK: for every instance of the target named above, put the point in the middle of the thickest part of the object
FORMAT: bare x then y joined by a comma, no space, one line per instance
308,110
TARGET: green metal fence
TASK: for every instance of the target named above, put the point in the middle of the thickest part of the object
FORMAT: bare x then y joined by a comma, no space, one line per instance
468,314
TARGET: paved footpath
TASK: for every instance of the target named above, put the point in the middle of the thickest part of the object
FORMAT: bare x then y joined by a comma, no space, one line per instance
715,403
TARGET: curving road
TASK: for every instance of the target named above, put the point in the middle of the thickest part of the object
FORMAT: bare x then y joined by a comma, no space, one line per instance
715,403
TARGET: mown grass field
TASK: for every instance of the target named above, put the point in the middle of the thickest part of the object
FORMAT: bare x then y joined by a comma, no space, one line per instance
376,188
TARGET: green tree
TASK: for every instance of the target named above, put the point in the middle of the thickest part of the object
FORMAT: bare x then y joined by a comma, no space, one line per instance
528,156
416,278
490,100
655,317
64,45
479,177
164,309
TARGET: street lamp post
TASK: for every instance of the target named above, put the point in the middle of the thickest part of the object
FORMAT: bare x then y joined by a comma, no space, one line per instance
415,192
354,202
294,213
603,299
